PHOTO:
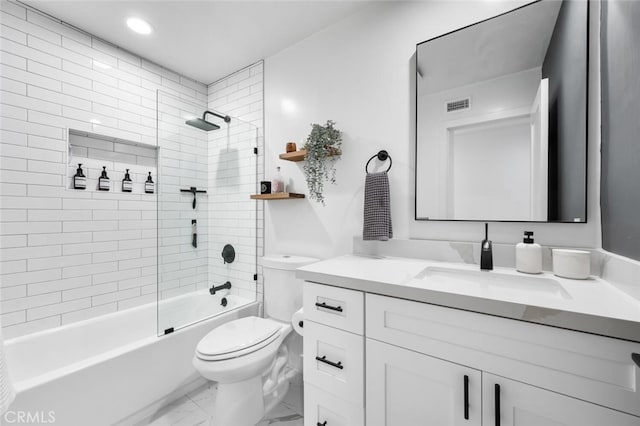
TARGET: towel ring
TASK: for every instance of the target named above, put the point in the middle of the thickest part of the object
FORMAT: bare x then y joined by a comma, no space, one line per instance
382,156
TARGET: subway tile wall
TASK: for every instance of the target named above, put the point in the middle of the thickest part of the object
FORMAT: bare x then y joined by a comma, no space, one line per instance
69,255
234,174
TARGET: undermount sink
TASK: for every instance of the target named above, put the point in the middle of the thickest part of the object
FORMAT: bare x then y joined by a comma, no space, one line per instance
490,281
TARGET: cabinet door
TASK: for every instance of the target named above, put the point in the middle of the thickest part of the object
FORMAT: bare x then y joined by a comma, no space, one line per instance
519,404
408,388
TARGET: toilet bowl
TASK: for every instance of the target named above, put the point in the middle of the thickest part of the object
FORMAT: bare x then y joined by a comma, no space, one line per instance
253,359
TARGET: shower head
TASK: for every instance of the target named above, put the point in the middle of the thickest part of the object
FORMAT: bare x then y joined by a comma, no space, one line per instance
202,124
205,125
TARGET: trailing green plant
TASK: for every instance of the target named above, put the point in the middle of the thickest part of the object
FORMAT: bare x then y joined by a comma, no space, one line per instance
323,145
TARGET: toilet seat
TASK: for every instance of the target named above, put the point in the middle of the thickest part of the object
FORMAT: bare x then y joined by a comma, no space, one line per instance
237,338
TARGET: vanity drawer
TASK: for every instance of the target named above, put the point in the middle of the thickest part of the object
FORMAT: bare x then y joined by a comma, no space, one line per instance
589,367
321,406
333,306
334,361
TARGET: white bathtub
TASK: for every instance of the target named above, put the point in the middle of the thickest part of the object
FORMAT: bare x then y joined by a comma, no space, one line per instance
103,370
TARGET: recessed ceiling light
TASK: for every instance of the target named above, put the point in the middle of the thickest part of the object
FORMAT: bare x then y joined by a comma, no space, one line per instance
139,25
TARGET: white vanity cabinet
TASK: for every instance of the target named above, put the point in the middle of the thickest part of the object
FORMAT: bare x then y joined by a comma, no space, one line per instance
333,356
532,375
433,365
409,388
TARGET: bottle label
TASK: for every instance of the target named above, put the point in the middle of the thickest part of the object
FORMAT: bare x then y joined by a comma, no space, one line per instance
103,184
79,182
148,187
127,185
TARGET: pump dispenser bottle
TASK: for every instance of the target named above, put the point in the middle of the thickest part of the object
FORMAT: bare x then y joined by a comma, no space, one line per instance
103,181
79,179
529,255
149,186
127,183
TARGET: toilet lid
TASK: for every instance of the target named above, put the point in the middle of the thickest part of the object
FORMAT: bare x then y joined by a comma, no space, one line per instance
238,337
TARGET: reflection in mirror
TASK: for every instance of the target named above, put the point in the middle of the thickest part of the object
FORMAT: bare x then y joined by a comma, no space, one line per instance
501,118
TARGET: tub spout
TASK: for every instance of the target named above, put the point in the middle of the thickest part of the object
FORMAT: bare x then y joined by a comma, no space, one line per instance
214,289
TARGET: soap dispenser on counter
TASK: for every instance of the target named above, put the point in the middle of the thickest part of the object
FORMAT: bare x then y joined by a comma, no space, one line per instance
528,255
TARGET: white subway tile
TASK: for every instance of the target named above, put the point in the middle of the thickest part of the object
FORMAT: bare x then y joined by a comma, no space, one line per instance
12,86
30,277
29,77
55,98
13,228
89,247
136,301
92,290
30,53
97,225
36,30
84,314
111,256
58,261
11,163
12,266
100,278
57,285
13,60
30,326
30,302
12,318
89,95
86,268
23,127
30,203
9,241
7,293
30,253
57,27
57,309
58,238
115,296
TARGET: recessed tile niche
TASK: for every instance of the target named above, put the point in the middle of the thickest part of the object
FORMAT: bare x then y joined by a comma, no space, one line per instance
96,151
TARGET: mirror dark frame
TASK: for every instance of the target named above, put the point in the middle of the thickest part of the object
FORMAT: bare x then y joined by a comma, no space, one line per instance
563,167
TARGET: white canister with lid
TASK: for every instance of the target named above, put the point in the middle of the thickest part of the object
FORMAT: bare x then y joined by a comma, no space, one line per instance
574,264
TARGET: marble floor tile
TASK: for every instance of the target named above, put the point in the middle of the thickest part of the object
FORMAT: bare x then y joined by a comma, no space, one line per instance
196,409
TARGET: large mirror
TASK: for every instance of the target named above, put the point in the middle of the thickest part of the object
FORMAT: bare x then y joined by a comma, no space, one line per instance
501,118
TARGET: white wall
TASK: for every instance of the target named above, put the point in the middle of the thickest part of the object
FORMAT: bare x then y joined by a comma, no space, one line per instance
69,255
359,73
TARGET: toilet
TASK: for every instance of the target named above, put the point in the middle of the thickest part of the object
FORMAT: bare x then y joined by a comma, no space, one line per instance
253,359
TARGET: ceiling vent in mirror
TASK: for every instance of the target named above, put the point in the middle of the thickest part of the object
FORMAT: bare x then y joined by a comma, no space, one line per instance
458,105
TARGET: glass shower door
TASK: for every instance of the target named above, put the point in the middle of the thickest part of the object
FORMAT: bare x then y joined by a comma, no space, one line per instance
204,181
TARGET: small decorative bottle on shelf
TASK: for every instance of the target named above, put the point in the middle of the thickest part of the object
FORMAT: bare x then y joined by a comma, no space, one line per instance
278,182
103,182
127,183
149,186
79,179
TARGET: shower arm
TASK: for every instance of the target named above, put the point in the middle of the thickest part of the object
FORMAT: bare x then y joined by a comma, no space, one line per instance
226,118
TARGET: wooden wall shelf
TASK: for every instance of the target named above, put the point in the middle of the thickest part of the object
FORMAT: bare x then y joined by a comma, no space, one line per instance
299,155
294,156
277,196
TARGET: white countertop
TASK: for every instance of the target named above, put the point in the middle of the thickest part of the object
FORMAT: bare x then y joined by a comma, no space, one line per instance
592,305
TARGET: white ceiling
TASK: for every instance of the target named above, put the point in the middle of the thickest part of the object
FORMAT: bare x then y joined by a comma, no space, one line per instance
207,39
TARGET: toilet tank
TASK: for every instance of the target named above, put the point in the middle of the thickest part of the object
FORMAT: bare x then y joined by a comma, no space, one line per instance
282,290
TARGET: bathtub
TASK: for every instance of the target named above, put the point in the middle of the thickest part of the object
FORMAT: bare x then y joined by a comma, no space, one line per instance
112,369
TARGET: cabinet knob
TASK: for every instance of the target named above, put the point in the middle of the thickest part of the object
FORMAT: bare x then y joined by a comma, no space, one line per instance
636,358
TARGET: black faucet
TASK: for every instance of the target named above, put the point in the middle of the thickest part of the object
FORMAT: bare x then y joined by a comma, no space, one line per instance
486,252
213,288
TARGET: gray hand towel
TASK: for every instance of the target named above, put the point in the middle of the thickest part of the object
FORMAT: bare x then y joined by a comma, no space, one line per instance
377,208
